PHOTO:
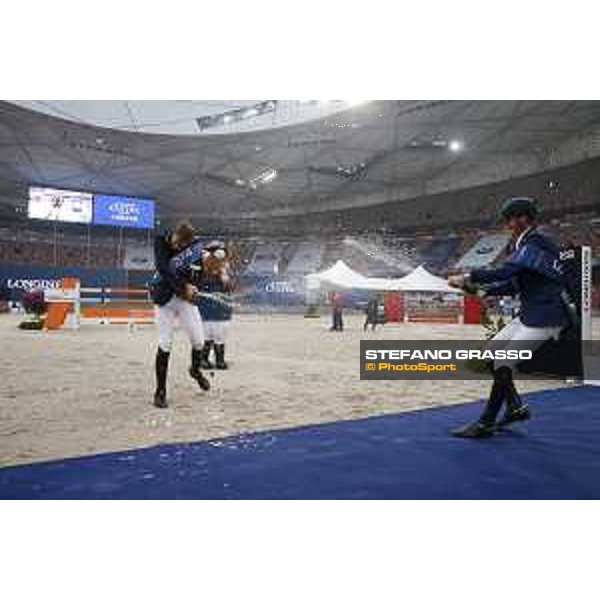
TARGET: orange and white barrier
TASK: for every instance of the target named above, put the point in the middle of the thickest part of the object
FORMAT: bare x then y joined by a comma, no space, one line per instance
63,305
70,305
116,306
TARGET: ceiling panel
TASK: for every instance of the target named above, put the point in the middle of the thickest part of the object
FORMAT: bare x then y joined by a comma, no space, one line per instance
198,172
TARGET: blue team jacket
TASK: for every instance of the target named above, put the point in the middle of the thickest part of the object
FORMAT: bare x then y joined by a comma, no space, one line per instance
173,268
533,272
211,310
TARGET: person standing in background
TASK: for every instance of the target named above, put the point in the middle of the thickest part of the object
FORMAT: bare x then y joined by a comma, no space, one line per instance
337,311
372,313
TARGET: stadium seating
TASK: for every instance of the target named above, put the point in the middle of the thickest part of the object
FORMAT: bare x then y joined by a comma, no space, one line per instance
373,254
438,254
306,258
28,244
484,252
265,260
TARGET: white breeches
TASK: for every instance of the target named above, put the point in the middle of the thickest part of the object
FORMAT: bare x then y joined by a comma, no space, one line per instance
517,332
189,319
216,331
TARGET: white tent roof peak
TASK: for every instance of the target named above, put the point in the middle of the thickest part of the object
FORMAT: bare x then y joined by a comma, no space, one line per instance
421,280
341,276
338,276
341,268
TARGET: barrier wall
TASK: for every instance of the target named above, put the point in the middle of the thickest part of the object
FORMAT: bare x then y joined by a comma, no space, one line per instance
394,307
70,304
271,291
472,310
117,305
18,279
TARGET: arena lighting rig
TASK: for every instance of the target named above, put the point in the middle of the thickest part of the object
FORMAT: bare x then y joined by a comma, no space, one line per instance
263,108
237,115
437,143
349,172
265,177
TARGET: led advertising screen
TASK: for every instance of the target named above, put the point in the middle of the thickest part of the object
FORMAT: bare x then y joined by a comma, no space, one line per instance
121,211
59,205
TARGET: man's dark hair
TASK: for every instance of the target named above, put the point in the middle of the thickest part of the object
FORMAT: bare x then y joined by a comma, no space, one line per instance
185,231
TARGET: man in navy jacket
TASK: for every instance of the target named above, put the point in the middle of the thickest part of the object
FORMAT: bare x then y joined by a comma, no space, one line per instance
533,273
172,290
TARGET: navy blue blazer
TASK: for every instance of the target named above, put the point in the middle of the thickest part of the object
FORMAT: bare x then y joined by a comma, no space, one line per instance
533,272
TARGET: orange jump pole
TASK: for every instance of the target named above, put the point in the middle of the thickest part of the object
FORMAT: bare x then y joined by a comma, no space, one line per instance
118,306
62,303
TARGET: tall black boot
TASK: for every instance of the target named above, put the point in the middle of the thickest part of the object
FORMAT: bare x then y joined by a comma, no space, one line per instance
501,392
205,360
196,371
162,368
220,355
516,409
486,424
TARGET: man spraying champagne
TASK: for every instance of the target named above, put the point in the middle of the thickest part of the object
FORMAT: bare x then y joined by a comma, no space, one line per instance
533,274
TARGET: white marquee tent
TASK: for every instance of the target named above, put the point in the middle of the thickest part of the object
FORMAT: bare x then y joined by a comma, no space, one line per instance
341,277
421,280
338,277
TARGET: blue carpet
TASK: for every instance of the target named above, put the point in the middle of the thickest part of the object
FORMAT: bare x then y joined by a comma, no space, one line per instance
410,455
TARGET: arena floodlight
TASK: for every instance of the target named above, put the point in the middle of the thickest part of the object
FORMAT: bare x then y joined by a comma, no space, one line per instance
237,115
269,176
455,145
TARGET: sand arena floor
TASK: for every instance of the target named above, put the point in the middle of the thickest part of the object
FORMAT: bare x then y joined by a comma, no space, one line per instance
72,393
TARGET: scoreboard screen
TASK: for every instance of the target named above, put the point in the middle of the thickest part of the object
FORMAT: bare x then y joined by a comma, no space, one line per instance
52,204
123,211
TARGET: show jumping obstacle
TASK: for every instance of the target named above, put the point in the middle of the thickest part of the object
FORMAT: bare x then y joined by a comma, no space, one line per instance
70,305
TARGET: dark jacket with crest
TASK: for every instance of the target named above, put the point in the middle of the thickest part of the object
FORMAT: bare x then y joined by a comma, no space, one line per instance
534,273
166,283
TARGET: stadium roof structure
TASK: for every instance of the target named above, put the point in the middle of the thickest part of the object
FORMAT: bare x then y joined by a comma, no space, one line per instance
302,157
188,117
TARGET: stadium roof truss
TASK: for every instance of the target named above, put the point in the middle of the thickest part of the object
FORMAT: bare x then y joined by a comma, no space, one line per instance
305,156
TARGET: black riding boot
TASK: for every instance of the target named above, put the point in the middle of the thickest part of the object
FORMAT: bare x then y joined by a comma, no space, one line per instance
220,355
205,361
196,370
501,392
162,367
486,424
516,409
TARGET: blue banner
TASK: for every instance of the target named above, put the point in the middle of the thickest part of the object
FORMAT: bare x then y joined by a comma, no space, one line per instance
271,291
121,211
15,280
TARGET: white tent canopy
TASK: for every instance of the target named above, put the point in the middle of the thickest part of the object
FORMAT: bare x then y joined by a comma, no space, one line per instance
338,277
341,277
421,280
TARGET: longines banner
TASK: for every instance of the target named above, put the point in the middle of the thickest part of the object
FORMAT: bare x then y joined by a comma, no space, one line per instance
473,359
15,280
